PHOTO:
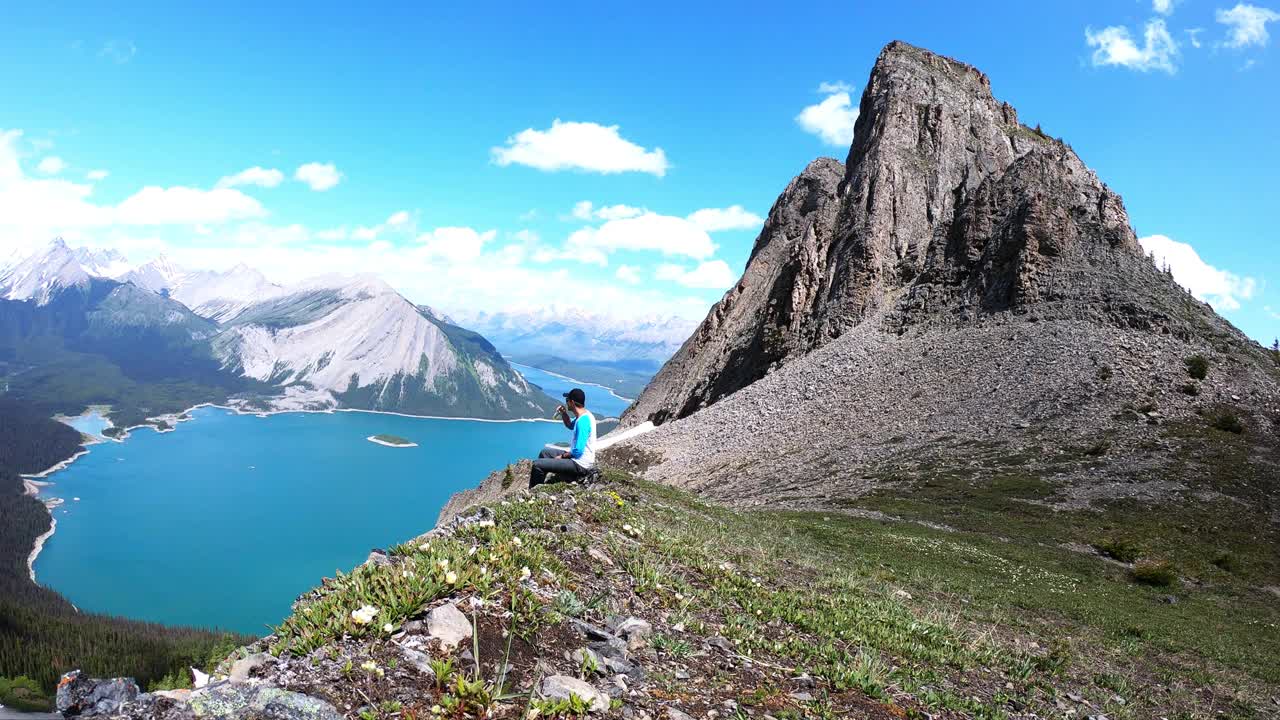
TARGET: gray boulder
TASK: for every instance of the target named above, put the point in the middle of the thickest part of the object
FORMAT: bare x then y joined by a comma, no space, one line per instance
79,696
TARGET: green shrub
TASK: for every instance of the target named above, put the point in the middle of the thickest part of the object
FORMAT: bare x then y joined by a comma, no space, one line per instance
23,694
508,477
1154,572
178,680
1190,388
1227,422
1197,366
1105,372
1117,549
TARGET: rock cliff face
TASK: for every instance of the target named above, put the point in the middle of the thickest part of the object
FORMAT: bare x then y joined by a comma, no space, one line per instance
961,281
947,210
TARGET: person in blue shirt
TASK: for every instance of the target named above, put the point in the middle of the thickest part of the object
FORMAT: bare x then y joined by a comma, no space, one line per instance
581,456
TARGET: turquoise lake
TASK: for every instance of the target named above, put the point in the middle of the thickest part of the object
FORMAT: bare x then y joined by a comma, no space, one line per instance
600,400
228,518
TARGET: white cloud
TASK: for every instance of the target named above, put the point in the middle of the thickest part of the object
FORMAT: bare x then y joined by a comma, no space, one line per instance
1115,46
734,217
319,176
832,119
1272,312
1221,289
628,274
1193,36
52,165
582,210
260,176
31,207
455,244
1247,25
182,205
710,275
398,219
579,146
585,210
96,175
1163,7
650,231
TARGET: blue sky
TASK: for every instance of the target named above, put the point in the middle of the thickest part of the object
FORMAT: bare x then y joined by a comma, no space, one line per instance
417,112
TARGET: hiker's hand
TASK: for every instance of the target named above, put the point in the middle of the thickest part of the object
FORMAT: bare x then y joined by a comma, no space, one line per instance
560,409
567,456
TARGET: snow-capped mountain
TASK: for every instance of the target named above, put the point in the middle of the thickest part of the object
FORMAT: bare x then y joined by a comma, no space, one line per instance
333,341
364,345
159,275
221,296
573,333
102,263
41,276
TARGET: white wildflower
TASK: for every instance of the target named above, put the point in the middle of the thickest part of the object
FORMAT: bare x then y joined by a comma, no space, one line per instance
451,577
364,615
369,666
515,540
524,573
443,563
388,627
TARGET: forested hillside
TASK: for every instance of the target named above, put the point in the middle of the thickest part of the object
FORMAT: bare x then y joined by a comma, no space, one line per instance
41,633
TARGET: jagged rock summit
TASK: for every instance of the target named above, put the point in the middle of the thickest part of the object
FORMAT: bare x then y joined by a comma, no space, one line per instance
959,260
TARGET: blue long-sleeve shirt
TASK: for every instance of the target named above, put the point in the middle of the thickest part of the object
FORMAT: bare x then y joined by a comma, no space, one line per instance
583,449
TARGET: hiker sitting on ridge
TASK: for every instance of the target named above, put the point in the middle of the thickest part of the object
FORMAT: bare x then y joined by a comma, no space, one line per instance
581,458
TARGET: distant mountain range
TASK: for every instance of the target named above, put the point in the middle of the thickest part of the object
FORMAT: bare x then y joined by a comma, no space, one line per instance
79,325
639,344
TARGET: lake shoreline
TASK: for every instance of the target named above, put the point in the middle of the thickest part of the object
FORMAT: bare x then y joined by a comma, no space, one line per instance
576,381
34,483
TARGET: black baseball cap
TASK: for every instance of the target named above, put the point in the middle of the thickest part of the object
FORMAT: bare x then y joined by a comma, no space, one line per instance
577,396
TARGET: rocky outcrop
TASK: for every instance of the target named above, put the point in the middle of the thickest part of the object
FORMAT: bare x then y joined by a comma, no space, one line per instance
947,211
963,281
238,699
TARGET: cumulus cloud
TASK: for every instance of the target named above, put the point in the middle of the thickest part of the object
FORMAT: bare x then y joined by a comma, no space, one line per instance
710,275
628,274
1115,46
833,118
1246,25
456,244
182,205
734,217
662,233
1163,7
96,175
318,176
585,210
582,146
52,165
35,206
1221,289
260,176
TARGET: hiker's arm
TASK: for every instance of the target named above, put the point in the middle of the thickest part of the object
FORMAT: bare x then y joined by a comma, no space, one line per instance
564,418
581,431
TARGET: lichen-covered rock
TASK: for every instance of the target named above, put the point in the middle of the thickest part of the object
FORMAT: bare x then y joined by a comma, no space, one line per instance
79,696
251,702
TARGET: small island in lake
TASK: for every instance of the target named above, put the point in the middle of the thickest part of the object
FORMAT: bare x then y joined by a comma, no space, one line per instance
391,441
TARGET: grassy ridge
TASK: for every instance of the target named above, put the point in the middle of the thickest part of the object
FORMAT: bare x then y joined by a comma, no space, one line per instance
890,618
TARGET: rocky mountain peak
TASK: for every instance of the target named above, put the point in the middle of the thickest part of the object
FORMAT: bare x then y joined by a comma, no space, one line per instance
947,211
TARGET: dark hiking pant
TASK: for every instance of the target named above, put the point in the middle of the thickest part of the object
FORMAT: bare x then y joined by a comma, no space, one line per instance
549,462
